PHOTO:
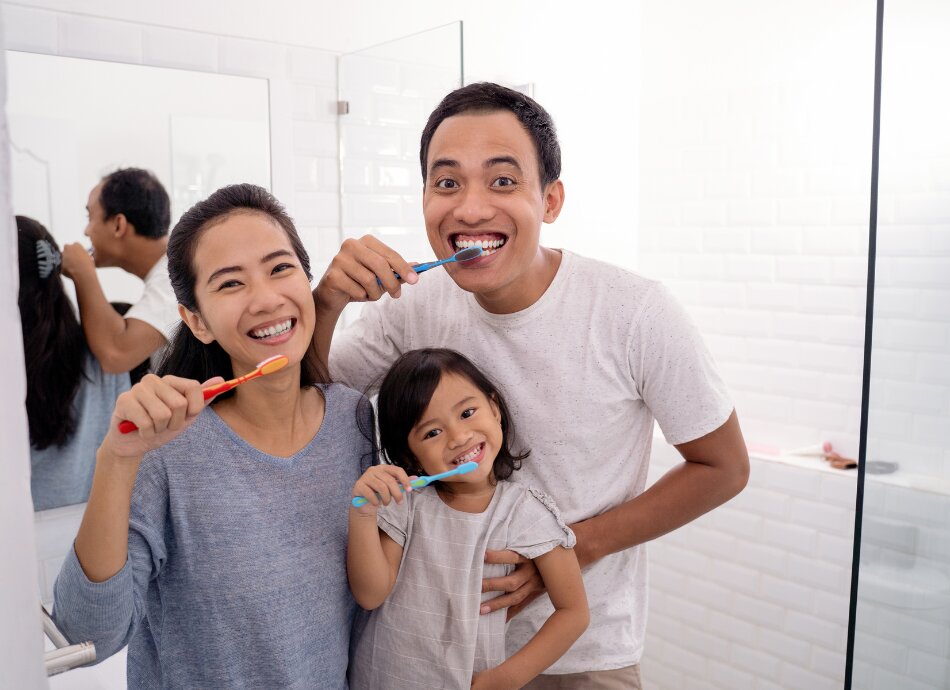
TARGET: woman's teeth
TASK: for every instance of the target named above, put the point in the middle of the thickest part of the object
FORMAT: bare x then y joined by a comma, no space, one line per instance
271,331
488,246
470,455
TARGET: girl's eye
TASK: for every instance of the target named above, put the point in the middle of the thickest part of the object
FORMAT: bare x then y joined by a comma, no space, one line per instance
432,433
503,182
446,183
468,413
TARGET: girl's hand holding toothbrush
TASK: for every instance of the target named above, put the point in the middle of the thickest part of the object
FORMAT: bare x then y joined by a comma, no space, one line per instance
381,484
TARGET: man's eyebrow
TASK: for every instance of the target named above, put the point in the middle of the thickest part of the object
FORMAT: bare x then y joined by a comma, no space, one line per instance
443,163
503,160
235,269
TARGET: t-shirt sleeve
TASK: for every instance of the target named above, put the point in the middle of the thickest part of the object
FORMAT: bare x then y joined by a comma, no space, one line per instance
362,352
158,306
394,520
537,526
675,371
107,613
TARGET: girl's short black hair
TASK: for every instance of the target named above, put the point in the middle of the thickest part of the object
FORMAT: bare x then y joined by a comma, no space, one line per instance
404,396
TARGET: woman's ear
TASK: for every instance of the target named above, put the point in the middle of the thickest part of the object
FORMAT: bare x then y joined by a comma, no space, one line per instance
195,324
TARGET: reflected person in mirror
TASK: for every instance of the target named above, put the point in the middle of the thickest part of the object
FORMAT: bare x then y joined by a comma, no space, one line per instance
588,355
69,399
129,214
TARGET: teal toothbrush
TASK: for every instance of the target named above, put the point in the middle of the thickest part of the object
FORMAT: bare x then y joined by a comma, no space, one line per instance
466,254
420,482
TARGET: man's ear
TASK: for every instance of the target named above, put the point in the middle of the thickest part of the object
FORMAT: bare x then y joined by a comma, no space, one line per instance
122,226
553,201
195,324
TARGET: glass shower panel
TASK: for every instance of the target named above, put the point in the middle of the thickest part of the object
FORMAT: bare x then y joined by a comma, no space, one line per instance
386,94
902,622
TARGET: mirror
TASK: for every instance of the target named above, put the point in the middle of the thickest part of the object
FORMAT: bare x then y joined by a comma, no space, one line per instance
72,121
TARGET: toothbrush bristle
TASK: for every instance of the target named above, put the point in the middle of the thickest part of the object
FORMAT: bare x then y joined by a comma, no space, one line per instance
468,253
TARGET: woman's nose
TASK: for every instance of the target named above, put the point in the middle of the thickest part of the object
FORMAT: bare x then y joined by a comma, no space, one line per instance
264,298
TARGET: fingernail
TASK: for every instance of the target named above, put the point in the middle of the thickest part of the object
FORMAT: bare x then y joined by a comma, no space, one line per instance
485,609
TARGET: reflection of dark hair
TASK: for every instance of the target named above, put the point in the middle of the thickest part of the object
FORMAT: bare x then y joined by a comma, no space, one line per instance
140,197
404,396
485,97
186,355
53,343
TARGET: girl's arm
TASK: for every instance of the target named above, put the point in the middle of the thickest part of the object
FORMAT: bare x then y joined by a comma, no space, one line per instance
562,578
372,557
161,408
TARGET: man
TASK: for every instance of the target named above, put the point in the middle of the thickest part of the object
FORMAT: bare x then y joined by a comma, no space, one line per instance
129,213
587,354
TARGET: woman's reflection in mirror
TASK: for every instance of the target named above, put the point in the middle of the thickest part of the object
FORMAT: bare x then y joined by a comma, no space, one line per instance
69,398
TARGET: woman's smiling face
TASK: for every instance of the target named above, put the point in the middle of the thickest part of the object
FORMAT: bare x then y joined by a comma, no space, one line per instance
252,292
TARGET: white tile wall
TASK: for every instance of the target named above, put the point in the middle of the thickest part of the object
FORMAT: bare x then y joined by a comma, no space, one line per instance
756,593
308,162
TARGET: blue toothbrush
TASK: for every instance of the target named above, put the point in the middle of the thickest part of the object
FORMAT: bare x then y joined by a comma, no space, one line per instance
466,254
420,482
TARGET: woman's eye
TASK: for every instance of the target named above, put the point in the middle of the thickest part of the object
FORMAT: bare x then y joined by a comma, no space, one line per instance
282,267
468,413
503,182
447,184
229,284
432,433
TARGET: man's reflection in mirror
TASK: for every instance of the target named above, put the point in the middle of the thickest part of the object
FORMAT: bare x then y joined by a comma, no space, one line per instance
129,215
69,397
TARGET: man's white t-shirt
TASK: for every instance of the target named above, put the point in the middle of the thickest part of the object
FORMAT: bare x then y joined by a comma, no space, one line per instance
157,307
585,370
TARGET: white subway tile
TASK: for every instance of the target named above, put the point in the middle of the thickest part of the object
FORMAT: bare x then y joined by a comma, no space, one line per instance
804,211
703,212
702,158
814,629
372,210
680,240
793,676
850,271
791,537
758,611
702,267
729,575
179,49
779,241
923,208
726,676
29,29
655,215
313,66
756,213
316,174
818,573
759,663
315,138
804,269
252,58
316,208
787,594
829,518
671,186
100,39
704,643
777,643
727,185
750,268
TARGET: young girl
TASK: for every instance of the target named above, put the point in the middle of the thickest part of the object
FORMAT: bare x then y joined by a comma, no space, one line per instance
421,568
213,541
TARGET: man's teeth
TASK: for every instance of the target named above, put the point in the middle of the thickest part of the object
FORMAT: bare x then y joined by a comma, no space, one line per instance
272,330
469,456
488,246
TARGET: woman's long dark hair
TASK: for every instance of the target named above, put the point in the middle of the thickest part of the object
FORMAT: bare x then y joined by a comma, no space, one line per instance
53,343
187,356
404,396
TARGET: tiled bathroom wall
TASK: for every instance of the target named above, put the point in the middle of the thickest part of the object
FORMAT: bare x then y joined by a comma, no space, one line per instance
303,132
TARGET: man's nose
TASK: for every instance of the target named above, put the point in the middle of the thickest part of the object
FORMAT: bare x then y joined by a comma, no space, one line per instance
475,206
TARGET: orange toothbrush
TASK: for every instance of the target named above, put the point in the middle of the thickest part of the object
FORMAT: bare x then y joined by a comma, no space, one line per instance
268,366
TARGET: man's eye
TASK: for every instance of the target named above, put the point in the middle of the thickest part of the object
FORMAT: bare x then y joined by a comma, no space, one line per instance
447,184
503,182
468,413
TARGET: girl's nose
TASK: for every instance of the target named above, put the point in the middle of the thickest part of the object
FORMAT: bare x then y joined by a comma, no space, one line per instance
459,437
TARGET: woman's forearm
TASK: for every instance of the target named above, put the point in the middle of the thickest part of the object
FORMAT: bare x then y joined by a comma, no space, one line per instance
102,544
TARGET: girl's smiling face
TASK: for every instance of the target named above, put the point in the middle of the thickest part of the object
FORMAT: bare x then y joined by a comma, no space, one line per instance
253,294
460,424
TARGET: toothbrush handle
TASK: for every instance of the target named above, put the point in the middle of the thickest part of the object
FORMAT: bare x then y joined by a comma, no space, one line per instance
419,268
416,484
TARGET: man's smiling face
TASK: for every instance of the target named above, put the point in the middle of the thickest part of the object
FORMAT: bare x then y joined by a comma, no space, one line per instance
483,187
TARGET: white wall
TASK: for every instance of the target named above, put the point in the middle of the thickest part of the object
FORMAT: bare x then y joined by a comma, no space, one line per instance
21,647
755,199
